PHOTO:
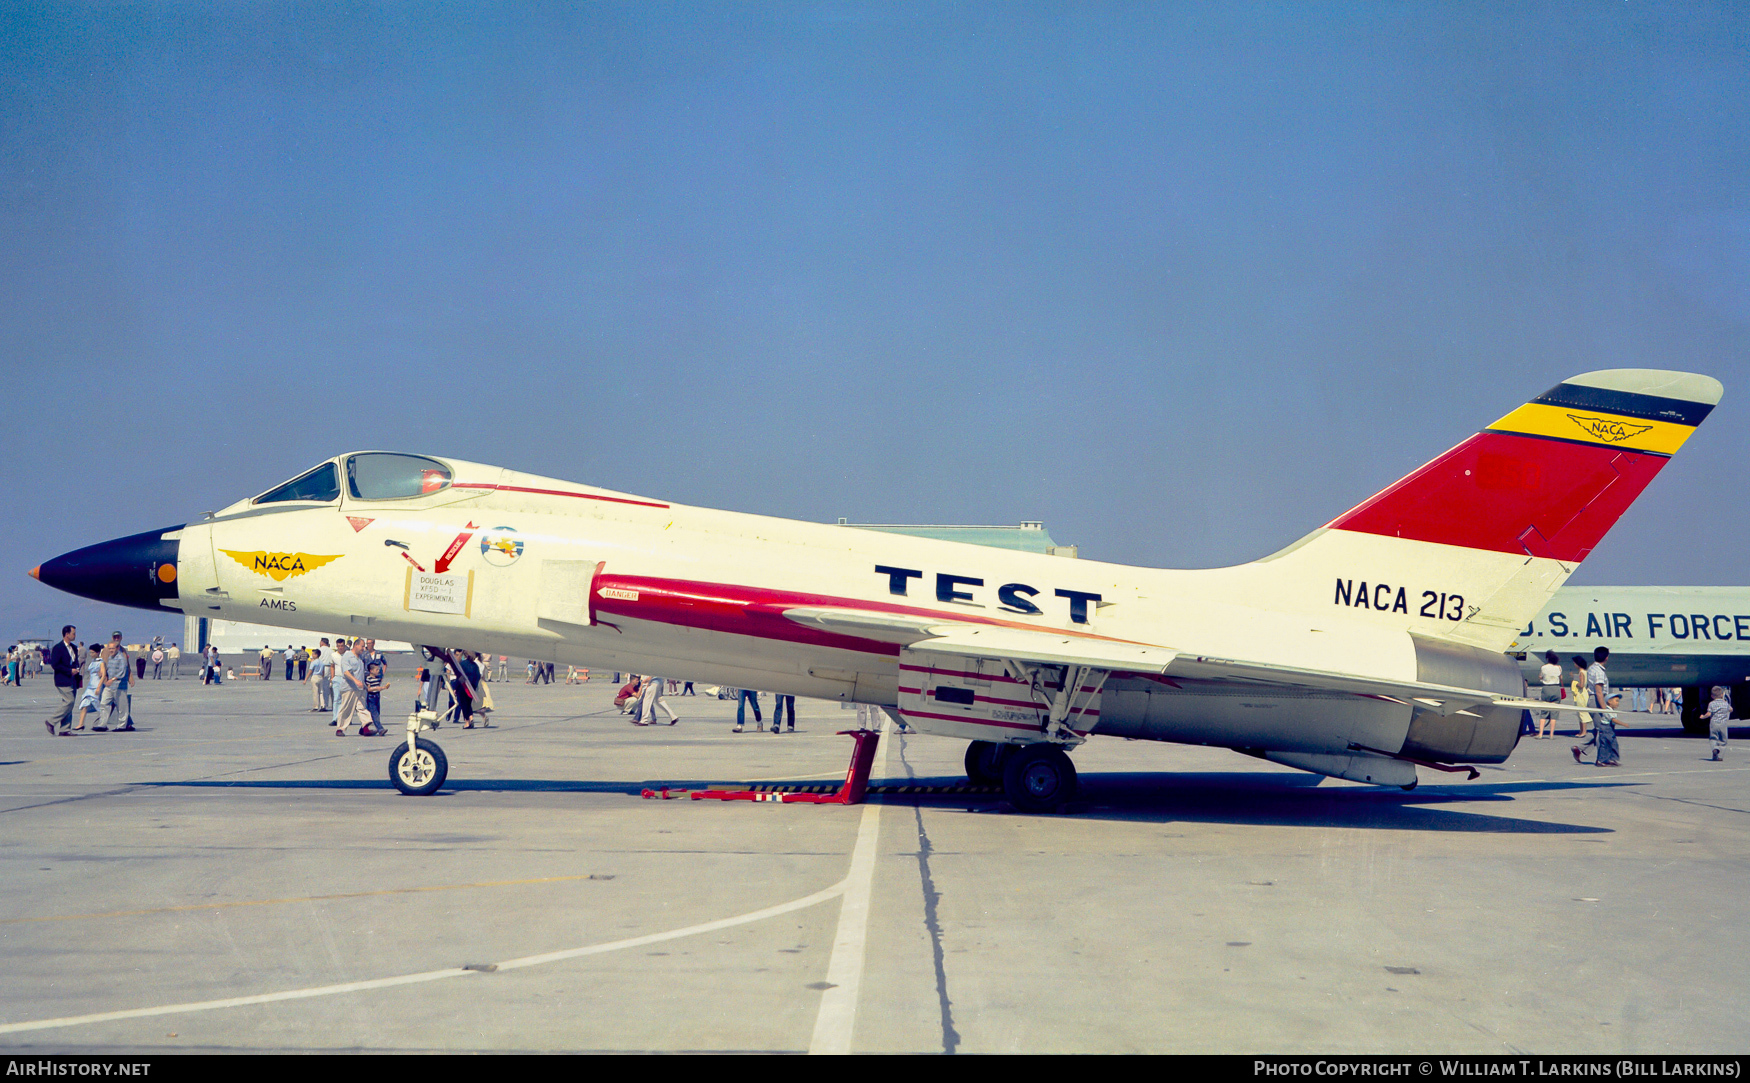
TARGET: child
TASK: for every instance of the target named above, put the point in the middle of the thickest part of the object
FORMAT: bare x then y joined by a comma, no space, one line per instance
1607,753
1719,722
375,682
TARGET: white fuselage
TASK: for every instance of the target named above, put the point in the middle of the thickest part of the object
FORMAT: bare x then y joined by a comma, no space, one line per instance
591,577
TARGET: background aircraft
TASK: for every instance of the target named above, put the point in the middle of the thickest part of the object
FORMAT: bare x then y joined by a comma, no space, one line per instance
1371,646
1670,637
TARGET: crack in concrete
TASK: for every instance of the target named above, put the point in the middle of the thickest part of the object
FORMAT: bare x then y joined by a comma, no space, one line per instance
932,922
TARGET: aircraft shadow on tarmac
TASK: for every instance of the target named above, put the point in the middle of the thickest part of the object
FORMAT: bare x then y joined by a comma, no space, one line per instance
1235,798
1270,800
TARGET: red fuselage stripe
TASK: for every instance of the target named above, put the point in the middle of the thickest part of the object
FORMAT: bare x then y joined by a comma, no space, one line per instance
555,492
721,607
759,611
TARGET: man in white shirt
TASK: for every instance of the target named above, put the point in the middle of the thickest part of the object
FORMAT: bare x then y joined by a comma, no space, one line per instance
350,667
1604,725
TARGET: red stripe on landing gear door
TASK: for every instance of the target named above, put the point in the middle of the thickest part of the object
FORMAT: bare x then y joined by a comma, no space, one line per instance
965,721
1004,702
967,675
1511,494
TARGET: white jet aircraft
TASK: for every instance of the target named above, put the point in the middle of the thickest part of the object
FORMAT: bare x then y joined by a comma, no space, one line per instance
1371,646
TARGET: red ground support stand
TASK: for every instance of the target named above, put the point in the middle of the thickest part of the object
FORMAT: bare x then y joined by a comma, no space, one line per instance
851,793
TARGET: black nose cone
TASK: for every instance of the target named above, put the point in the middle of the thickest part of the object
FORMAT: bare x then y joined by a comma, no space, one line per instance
135,571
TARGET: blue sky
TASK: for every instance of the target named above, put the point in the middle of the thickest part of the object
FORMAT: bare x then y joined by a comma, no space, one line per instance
1182,280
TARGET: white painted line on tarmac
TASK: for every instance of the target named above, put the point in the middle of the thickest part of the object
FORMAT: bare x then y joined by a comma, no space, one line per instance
233,1002
837,1021
438,975
803,903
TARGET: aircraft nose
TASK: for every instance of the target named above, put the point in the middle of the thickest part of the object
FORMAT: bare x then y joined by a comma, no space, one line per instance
136,571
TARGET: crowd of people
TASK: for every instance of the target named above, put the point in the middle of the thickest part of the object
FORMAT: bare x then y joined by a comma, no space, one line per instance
643,695
93,679
1588,687
21,662
24,660
347,680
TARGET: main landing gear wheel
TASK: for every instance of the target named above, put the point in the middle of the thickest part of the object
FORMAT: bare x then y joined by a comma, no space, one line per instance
984,762
1039,778
418,771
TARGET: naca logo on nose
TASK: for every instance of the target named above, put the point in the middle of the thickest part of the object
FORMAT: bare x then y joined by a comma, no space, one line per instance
279,566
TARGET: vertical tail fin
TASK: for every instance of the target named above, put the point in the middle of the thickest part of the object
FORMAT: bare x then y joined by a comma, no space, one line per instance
1501,520
1551,477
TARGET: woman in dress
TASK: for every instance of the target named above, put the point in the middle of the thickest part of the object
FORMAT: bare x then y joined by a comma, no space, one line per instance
1579,689
91,693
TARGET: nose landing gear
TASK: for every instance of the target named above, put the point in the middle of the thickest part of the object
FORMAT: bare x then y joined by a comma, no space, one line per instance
419,770
418,767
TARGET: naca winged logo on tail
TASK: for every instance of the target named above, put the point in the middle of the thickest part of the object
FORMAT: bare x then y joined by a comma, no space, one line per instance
1608,429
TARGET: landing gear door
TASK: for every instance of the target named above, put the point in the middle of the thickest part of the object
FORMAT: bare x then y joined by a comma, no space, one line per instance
977,699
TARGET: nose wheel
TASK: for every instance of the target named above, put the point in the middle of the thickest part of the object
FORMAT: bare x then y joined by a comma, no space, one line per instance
418,770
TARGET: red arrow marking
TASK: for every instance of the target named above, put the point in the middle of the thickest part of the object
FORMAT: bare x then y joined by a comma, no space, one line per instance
443,562
413,562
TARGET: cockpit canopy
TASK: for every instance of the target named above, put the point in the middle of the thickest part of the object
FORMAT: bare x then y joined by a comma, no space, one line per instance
322,483
382,475
370,475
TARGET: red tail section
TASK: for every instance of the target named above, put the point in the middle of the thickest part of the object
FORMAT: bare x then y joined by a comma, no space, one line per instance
1550,478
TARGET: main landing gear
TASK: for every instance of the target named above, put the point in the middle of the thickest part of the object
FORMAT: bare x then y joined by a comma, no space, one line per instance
984,762
1035,778
1039,777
